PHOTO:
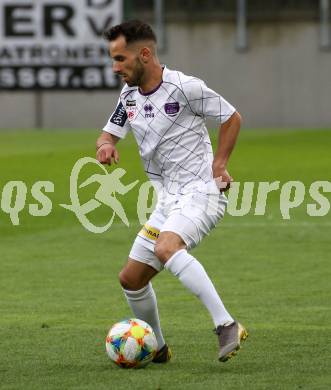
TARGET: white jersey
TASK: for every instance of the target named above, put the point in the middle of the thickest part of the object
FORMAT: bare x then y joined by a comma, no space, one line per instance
168,124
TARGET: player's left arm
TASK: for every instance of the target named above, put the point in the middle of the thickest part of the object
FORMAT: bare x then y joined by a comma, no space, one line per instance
227,138
207,103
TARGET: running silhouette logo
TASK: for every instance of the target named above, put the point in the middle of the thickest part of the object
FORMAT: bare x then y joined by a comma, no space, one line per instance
109,185
243,197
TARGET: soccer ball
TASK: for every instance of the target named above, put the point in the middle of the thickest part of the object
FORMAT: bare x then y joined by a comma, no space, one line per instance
131,343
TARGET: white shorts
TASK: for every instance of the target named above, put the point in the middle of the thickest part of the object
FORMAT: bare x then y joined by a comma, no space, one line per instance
192,216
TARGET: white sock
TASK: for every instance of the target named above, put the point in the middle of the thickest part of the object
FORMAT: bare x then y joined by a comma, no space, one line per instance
144,306
194,277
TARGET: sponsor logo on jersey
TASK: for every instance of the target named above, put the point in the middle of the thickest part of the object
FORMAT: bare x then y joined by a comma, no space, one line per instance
131,109
150,232
171,109
130,103
120,116
149,111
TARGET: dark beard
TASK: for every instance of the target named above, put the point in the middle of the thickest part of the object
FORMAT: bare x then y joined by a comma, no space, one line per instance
137,75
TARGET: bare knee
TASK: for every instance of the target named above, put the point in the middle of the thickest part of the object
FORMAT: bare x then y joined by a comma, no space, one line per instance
163,252
128,281
136,275
167,245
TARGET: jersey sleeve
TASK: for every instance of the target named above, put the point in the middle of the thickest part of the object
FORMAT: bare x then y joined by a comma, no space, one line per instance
205,102
118,123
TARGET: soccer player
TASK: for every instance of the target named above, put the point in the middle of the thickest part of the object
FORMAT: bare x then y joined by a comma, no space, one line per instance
166,111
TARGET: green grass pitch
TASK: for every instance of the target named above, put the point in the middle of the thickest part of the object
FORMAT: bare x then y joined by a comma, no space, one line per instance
59,292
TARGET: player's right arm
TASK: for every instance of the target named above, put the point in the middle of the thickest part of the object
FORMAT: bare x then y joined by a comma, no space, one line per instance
116,128
106,149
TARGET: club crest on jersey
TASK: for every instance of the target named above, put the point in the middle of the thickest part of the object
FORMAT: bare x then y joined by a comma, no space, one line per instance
131,109
171,109
149,111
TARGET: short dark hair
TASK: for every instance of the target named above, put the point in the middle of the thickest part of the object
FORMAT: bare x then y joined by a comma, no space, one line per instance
132,30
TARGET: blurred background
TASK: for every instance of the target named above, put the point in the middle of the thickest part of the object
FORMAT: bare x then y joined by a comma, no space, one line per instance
59,292
271,59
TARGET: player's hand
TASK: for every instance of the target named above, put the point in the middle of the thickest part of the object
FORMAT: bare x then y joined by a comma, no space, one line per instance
222,178
107,154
